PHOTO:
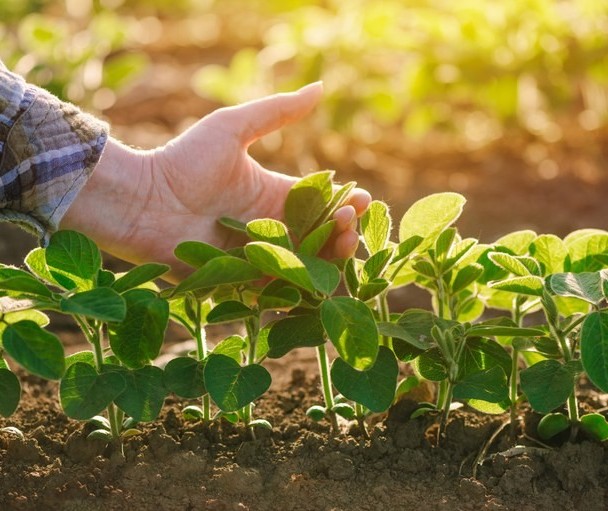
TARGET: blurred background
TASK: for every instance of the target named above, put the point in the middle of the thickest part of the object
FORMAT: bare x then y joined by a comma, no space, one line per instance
504,101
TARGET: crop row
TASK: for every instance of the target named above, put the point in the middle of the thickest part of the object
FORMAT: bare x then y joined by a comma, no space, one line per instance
520,319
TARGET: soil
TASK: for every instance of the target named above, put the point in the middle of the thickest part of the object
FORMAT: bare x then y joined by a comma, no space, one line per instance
516,182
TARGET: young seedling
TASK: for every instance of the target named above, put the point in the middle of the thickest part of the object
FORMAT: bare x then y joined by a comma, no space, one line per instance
67,277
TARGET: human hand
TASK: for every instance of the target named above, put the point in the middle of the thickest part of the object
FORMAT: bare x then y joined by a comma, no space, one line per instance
138,205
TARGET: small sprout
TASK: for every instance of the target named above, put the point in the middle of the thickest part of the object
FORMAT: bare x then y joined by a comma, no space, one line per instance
193,413
316,413
100,434
344,410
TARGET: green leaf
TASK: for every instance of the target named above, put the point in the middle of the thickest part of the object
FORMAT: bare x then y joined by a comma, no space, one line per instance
489,330
374,267
316,239
431,365
429,216
552,424
306,202
371,289
587,286
351,327
405,248
418,324
36,263
466,276
582,247
481,354
530,285
139,275
72,254
271,231
21,282
233,224
340,197
232,347
397,331
37,350
517,242
373,388
184,377
325,276
138,339
10,392
547,385
551,252
197,253
228,311
84,393
594,348
294,332
595,425
280,263
424,268
278,296
231,386
376,224
103,304
487,407
510,263
85,357
488,385
351,278
444,242
144,393
10,318
218,271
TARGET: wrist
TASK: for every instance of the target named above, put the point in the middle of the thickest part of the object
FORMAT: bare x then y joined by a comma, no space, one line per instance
105,208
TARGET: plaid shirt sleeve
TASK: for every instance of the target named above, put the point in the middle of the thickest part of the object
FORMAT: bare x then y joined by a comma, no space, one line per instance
48,149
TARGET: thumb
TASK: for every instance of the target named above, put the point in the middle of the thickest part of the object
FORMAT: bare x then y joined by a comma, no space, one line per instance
254,119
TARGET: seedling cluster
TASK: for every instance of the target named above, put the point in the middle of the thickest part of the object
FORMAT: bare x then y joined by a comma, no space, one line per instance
522,318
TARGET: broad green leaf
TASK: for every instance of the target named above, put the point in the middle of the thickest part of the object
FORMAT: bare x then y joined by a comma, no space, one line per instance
510,263
139,275
488,330
418,324
21,282
444,242
36,263
10,392
219,271
103,304
294,332
424,268
594,348
351,278
586,286
530,285
37,350
429,216
278,296
231,386
105,278
551,252
374,267
431,365
138,339
197,253
85,357
184,377
551,425
517,242
144,393
398,331
10,318
232,347
466,276
376,224
84,393
487,407
371,289
583,248
271,231
316,239
72,254
351,327
480,354
373,388
228,311
459,252
340,197
307,201
280,263
407,247
595,425
325,276
488,385
547,385
233,224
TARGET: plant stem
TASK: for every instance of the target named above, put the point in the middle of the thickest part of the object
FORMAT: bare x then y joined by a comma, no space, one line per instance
326,383
253,329
513,393
201,354
446,410
360,414
384,313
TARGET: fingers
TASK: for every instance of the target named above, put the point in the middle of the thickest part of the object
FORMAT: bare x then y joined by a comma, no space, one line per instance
251,121
360,200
